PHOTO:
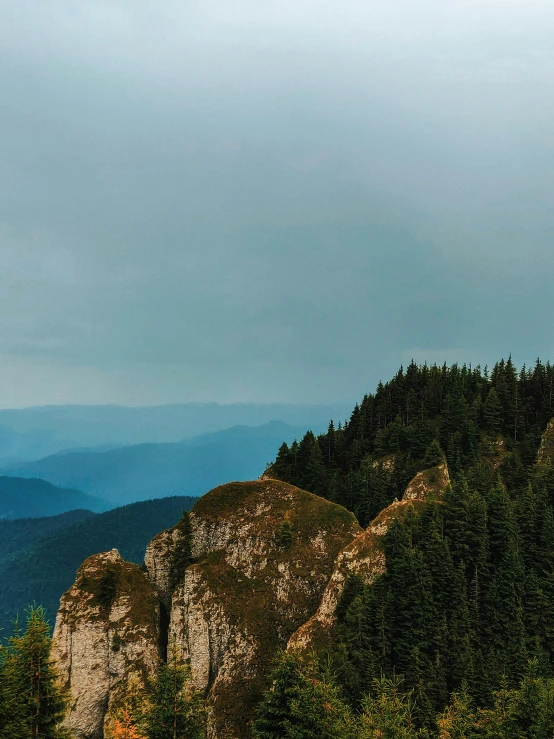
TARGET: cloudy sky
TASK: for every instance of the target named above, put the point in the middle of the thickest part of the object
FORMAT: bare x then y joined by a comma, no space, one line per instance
270,201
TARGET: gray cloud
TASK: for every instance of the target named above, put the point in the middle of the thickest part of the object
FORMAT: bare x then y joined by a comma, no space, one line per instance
277,201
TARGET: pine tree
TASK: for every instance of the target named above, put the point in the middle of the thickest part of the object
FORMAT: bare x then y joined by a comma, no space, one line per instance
533,713
433,455
492,412
282,467
176,710
318,709
35,703
274,719
458,721
388,712
125,719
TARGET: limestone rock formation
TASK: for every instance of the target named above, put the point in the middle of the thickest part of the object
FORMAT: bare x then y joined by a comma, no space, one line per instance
106,634
428,484
263,553
251,587
158,560
265,566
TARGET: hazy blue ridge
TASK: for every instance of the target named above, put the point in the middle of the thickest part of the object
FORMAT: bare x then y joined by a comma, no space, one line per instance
32,433
32,498
145,471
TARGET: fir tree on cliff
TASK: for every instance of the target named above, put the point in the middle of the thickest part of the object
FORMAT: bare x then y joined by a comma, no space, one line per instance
176,709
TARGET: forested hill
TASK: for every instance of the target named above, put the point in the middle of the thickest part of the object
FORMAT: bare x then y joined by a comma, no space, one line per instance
43,566
465,606
476,417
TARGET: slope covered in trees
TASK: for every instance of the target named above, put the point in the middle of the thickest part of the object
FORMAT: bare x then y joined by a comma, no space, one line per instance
466,605
22,533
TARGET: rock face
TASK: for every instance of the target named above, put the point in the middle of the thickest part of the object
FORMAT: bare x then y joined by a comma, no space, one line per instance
159,562
251,587
428,484
106,634
365,556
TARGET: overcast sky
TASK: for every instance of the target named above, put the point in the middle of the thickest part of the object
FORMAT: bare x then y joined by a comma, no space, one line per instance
270,200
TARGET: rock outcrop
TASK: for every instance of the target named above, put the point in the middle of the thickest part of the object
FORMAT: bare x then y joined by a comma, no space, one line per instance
106,634
261,566
546,449
365,556
251,587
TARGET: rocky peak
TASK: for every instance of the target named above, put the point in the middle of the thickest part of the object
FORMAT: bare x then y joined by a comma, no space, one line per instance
106,633
264,553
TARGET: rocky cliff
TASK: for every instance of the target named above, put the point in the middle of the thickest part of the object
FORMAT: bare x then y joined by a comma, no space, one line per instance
263,553
106,635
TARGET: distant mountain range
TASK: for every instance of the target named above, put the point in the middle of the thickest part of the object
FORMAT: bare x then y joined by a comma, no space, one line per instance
39,557
128,474
32,433
30,498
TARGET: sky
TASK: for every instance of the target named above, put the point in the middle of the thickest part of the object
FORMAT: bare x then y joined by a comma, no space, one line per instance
270,201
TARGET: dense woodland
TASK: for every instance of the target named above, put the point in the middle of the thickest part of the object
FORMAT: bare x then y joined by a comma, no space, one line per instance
466,607
39,556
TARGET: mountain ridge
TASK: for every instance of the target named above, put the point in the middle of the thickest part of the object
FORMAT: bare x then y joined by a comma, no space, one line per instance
34,497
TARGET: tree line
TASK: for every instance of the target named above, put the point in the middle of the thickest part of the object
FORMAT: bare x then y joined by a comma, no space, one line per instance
464,614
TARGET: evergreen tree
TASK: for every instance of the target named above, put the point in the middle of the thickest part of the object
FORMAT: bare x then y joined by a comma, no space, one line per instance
274,718
34,701
433,455
282,467
388,712
492,412
458,721
176,710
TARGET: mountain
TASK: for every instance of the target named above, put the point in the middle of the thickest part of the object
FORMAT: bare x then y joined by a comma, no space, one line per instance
145,471
474,417
44,567
442,599
31,498
33,433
